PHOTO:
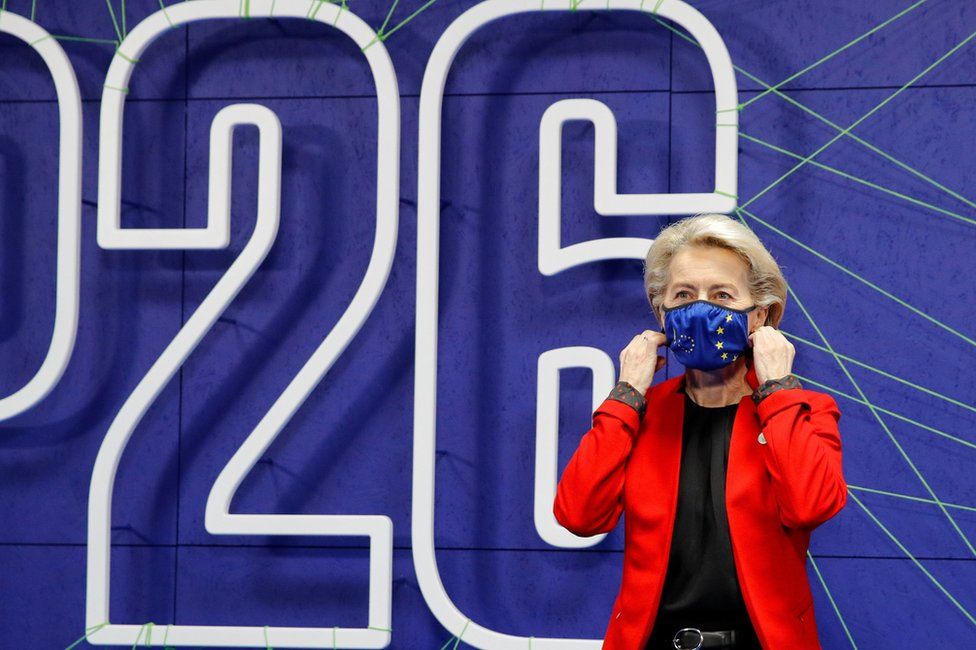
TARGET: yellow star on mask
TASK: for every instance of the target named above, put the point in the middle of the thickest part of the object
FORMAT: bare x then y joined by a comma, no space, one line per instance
728,318
719,345
720,330
725,355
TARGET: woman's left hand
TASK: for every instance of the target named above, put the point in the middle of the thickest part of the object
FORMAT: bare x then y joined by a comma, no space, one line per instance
772,354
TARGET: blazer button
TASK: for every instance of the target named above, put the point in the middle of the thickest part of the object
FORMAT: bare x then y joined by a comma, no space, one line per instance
761,438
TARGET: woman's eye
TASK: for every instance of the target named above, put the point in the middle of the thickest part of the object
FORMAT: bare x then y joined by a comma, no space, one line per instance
723,293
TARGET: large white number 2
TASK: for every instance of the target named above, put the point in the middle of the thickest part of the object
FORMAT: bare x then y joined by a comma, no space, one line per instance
553,258
219,520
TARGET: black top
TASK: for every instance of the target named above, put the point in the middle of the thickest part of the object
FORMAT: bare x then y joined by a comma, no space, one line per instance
701,588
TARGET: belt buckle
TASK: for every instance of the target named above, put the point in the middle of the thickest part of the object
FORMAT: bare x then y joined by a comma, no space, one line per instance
677,635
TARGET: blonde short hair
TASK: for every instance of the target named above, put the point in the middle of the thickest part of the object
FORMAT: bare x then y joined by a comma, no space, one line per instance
767,286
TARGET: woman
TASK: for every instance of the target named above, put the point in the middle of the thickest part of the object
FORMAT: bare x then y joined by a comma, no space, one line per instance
723,471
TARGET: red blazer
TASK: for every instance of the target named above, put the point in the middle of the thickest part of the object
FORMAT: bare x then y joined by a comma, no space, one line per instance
784,479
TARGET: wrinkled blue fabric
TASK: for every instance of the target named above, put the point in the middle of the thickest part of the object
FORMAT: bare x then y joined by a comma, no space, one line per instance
706,335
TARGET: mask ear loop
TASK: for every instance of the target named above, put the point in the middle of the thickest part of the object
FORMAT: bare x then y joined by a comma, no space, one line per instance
754,307
663,328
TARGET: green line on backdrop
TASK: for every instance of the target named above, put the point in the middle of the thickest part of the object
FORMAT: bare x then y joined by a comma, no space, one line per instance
828,122
882,372
456,639
914,559
881,409
162,6
909,497
874,411
123,55
830,597
389,13
66,37
147,628
831,55
383,35
884,426
806,109
88,632
932,66
858,277
413,15
856,179
115,23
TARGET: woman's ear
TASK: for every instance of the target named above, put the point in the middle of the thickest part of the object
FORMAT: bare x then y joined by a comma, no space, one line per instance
758,318
761,314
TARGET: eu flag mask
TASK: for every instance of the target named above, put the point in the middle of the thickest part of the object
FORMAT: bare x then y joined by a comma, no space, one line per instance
706,335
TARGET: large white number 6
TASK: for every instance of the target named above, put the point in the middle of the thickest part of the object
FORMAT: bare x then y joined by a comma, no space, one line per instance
552,259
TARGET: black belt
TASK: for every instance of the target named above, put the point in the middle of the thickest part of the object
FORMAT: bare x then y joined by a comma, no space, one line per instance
691,638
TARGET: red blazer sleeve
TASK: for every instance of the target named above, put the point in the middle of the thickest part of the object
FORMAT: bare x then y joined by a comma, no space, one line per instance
803,455
589,494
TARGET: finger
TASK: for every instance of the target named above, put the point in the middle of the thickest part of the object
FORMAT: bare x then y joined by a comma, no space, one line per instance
650,334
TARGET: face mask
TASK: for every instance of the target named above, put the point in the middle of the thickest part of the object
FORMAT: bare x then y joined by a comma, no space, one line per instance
706,335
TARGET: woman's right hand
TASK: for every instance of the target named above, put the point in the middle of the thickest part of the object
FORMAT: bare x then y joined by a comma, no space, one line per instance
639,360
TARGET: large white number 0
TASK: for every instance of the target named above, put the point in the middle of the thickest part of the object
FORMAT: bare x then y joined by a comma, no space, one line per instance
67,289
219,520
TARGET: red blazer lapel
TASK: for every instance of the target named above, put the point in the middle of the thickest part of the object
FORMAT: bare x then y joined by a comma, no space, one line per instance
745,460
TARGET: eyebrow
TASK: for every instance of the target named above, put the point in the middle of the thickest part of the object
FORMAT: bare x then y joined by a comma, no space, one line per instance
711,288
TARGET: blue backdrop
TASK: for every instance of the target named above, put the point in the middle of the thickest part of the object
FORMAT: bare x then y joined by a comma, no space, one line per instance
885,274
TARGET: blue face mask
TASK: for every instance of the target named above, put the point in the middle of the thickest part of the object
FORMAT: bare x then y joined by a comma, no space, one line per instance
706,335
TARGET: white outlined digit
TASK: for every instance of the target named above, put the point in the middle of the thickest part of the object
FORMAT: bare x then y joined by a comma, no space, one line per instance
552,259
218,518
550,363
67,289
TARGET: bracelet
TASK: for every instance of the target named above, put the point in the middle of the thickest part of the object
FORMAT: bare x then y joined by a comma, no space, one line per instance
770,386
624,392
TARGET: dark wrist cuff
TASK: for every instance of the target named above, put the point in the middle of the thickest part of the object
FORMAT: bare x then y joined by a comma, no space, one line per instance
770,386
624,392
